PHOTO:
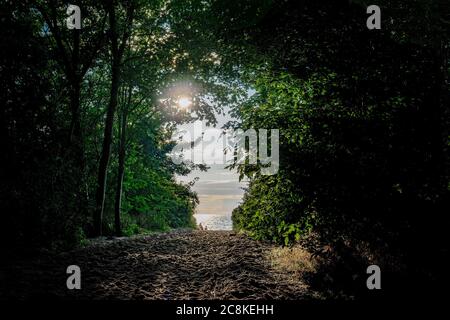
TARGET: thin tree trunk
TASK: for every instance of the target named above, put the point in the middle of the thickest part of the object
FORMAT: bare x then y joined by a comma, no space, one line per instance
120,171
75,81
109,122
117,54
75,123
106,152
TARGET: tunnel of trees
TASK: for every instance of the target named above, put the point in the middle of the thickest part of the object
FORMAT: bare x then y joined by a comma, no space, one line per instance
87,117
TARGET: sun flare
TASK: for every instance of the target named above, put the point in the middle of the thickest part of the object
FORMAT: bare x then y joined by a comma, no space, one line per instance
184,102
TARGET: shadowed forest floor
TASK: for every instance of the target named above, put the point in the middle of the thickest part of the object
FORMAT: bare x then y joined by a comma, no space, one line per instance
174,265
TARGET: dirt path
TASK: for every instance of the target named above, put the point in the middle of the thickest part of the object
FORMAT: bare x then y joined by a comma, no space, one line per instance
175,265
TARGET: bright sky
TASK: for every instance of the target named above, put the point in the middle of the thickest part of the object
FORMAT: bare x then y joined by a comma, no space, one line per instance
218,189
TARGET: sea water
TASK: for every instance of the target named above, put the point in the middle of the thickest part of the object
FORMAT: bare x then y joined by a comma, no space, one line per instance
214,221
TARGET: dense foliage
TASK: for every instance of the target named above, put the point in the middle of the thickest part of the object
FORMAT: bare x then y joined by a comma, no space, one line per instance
363,119
87,117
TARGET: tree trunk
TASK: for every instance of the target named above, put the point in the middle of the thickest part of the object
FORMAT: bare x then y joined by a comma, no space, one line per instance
109,122
75,82
117,54
106,152
120,172
75,123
